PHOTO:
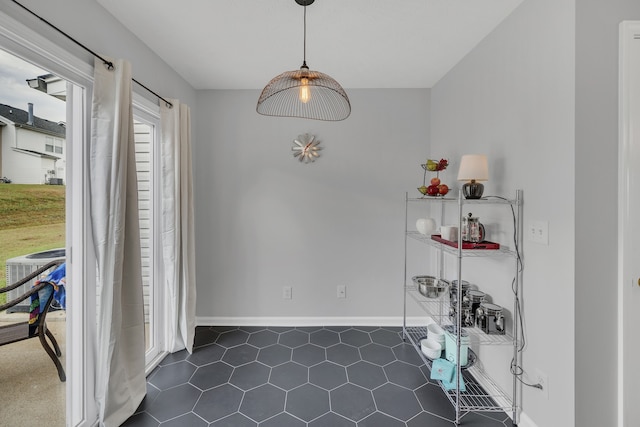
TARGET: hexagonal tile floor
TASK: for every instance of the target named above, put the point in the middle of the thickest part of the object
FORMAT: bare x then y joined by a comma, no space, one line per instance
298,377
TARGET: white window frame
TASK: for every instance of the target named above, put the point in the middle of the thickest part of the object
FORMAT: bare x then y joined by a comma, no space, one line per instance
149,113
25,43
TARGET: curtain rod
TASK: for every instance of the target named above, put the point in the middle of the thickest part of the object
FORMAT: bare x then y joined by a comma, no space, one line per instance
109,64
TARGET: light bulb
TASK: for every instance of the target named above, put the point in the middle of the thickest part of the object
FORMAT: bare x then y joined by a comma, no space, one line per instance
305,90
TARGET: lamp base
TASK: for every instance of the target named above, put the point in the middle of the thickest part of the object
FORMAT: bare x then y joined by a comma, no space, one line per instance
472,190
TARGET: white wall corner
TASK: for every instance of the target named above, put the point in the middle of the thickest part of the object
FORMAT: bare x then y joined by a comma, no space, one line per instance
525,421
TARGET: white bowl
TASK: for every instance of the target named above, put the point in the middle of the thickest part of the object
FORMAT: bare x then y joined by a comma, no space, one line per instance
435,332
430,348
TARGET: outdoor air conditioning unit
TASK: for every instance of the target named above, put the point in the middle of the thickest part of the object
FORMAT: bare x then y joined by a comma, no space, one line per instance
20,267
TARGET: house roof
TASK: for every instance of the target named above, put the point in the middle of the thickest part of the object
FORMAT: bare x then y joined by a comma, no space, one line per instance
20,118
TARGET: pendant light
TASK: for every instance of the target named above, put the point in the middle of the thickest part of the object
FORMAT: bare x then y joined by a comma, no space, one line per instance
304,93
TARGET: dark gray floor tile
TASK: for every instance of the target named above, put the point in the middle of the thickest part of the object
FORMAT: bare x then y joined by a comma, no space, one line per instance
332,420
405,375
426,419
178,356
263,339
250,375
232,338
307,402
433,400
309,355
221,329
205,355
308,329
190,419
380,368
240,355
152,393
218,402
235,420
327,375
324,338
366,375
343,354
366,328
293,338
396,402
283,420
252,329
481,420
500,416
204,336
352,402
174,402
377,354
281,329
141,420
172,375
263,402
289,375
378,419
211,375
338,328
355,338
407,353
385,337
274,355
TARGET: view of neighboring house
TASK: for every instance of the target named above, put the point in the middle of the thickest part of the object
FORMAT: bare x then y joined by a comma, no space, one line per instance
32,148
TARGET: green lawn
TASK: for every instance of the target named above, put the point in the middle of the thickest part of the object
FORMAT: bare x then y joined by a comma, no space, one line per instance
31,220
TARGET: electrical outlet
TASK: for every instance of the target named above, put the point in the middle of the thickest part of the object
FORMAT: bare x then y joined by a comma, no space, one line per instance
342,291
543,380
538,232
286,292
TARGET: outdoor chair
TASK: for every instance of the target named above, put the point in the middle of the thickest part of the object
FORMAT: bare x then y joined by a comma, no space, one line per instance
36,326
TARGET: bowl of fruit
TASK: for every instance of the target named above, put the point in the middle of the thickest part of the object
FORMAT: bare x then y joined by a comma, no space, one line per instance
435,187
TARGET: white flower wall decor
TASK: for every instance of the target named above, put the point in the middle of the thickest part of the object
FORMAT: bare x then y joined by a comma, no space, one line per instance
306,148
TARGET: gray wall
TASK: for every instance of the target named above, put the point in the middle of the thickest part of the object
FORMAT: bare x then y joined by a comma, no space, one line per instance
512,98
265,220
94,27
596,157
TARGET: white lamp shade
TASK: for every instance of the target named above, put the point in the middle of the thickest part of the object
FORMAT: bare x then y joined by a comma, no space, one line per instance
473,167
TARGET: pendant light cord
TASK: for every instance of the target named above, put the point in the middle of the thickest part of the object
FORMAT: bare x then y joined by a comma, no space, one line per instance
107,63
304,44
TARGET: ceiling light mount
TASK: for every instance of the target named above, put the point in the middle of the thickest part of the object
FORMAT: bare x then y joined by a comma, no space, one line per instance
304,93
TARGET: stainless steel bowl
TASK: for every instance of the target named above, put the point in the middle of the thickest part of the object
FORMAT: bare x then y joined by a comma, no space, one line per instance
431,287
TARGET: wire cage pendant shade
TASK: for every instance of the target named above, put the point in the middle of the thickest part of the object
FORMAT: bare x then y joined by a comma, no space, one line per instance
304,93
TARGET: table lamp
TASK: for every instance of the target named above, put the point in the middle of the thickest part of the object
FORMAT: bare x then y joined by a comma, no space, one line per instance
473,168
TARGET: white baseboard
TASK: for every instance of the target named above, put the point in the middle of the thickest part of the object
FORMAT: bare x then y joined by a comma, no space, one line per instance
308,321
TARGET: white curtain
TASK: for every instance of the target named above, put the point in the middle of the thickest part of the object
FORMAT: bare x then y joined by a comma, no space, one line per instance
120,382
178,238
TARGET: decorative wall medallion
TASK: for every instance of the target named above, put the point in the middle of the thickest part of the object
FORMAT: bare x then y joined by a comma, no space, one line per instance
306,148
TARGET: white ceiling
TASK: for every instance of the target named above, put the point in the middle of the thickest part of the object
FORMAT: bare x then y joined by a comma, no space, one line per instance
242,44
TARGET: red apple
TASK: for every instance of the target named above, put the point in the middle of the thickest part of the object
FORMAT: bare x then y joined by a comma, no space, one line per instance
432,190
435,181
443,189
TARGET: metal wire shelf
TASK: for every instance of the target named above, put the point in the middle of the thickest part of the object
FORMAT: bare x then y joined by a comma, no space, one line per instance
475,398
503,251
